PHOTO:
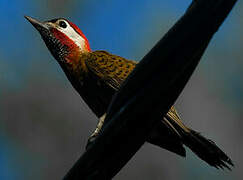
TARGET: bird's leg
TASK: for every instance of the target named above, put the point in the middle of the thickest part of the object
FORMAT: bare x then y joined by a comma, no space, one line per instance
96,131
98,126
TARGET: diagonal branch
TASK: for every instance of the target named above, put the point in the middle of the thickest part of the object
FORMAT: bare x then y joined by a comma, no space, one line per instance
150,90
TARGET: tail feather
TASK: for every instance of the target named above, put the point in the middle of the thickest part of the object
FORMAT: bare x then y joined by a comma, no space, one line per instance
167,138
204,148
207,150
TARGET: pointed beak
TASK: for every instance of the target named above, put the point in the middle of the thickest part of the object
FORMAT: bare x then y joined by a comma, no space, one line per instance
40,26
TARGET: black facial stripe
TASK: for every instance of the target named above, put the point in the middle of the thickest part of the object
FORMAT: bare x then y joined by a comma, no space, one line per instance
57,49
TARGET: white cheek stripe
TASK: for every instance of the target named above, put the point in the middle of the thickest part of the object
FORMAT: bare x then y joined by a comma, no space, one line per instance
74,36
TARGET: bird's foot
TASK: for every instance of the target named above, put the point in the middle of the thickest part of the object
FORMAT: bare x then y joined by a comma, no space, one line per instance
91,140
96,132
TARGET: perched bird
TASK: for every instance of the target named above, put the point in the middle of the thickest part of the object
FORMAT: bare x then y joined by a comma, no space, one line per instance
97,75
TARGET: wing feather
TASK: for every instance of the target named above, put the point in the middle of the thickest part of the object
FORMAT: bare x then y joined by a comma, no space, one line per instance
113,70
109,68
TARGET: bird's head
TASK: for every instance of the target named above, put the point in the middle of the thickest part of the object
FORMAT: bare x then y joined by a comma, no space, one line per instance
63,38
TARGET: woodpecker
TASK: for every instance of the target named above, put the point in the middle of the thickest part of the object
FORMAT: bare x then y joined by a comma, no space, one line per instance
97,75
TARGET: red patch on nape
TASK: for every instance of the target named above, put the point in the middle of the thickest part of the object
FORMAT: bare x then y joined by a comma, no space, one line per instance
76,28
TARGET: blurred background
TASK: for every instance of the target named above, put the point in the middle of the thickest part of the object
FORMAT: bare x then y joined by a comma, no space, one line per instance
44,124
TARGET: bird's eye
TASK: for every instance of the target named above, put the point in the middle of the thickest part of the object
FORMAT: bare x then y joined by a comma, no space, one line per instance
62,24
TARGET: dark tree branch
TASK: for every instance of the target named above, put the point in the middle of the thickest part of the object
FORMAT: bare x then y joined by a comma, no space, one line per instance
150,90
